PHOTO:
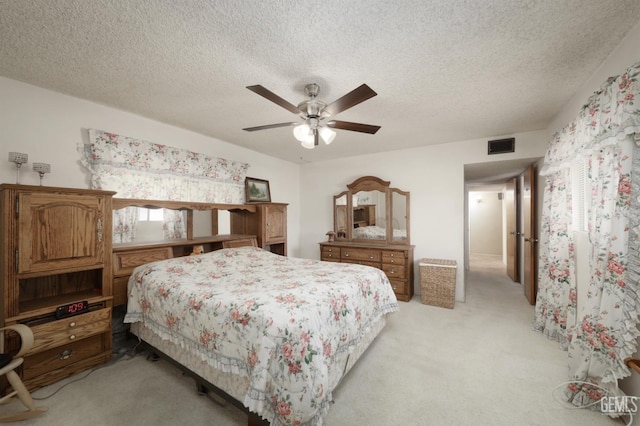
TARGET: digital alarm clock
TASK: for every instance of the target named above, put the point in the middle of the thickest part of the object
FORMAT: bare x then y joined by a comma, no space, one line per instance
71,309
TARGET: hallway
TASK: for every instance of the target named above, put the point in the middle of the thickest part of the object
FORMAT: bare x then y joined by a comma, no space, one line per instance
521,355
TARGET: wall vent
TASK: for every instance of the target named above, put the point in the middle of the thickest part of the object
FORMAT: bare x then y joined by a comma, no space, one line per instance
502,146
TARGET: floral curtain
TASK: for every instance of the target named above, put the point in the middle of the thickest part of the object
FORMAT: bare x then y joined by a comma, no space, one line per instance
555,311
174,226
124,224
604,332
143,170
607,331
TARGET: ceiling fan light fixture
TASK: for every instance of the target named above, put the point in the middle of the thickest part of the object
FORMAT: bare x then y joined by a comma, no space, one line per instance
327,135
302,132
314,112
308,143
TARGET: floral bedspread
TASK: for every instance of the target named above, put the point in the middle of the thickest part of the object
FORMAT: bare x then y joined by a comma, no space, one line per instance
377,233
278,320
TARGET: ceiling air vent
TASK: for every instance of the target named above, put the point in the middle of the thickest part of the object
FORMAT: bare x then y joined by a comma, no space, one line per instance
502,146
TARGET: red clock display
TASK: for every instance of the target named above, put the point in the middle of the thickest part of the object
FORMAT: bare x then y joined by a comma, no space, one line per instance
71,309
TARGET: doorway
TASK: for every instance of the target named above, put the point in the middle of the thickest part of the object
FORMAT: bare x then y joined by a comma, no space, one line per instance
500,222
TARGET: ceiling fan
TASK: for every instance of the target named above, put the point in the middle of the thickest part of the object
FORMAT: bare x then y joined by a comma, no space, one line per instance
316,114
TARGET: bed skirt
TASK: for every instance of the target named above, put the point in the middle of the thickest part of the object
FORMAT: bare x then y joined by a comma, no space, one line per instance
236,385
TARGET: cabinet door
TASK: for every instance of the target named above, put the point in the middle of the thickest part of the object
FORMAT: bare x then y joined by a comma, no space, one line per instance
275,217
59,231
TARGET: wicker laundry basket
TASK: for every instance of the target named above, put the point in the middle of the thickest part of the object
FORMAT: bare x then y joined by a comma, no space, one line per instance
438,282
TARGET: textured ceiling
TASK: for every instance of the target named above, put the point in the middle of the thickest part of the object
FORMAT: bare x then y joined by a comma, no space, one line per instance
444,70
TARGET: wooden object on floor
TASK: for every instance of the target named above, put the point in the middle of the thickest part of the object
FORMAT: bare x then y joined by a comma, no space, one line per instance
19,389
269,223
55,261
633,363
396,261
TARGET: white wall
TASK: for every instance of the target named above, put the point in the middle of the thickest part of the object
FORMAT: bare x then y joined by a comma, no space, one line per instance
49,126
485,223
434,175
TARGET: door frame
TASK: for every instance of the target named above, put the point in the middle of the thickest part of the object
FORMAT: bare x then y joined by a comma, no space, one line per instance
529,233
512,237
471,186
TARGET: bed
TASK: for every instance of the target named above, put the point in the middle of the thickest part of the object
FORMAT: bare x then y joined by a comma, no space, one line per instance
374,232
275,333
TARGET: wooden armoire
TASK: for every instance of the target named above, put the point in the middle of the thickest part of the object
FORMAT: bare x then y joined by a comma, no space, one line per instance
55,261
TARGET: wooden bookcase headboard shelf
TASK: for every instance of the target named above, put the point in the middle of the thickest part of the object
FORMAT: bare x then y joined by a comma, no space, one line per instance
258,224
119,203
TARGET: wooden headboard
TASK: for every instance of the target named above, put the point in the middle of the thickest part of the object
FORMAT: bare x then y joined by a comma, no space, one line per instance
127,256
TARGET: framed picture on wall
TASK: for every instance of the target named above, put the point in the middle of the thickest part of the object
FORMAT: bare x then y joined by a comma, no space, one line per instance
257,190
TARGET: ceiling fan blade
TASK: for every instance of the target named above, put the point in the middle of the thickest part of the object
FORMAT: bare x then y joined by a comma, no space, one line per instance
354,127
268,94
351,99
270,126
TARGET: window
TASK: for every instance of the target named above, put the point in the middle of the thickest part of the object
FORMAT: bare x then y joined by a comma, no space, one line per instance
150,215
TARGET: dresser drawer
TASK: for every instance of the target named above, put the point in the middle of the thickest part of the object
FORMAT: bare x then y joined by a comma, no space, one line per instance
396,261
330,253
399,287
54,358
394,257
125,262
394,271
363,262
63,331
369,255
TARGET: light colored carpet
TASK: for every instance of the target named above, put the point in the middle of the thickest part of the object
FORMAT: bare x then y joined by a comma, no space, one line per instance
479,363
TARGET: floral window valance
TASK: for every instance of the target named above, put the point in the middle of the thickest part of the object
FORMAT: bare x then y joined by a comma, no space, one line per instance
610,115
144,170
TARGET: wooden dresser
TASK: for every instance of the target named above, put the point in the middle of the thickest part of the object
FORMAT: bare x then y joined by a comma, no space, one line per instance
395,260
55,260
371,226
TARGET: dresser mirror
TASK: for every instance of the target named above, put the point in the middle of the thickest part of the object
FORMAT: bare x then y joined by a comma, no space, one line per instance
372,212
340,218
400,215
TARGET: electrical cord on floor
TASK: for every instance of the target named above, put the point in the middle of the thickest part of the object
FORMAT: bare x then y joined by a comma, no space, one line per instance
607,394
123,354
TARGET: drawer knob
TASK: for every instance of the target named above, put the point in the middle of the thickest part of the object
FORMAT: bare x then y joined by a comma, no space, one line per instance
371,256
395,287
73,324
346,254
72,337
66,354
393,271
392,260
